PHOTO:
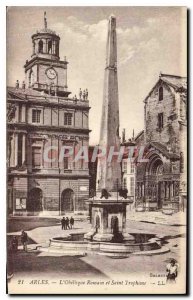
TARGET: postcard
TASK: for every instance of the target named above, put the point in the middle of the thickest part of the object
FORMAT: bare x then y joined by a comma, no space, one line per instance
96,150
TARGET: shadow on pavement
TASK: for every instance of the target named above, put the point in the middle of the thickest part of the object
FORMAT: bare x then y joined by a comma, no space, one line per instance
30,264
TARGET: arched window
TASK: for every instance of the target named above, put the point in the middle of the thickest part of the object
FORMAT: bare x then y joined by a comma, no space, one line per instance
31,78
57,48
50,47
40,46
33,47
161,93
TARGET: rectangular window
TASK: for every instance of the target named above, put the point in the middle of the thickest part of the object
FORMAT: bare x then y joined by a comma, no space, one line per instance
20,203
65,163
68,119
132,186
132,168
125,183
20,112
125,166
19,152
160,121
36,113
36,157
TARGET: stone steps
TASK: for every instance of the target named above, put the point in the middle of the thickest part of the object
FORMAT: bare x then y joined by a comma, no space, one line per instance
66,252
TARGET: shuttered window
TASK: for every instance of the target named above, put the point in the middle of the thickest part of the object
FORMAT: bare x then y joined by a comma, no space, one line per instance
68,119
36,113
125,166
36,157
132,186
124,183
132,168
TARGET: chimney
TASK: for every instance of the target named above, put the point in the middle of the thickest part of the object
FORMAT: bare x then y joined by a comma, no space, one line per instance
123,135
133,135
17,84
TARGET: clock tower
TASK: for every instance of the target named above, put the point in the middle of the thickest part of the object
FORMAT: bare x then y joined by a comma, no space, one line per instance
45,71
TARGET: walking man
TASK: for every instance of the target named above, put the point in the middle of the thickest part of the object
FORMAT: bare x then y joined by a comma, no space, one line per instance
63,223
24,239
67,223
71,222
14,244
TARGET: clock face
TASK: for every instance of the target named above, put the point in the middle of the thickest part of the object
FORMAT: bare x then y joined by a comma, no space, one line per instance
51,73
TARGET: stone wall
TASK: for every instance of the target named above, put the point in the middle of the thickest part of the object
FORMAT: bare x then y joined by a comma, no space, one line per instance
51,189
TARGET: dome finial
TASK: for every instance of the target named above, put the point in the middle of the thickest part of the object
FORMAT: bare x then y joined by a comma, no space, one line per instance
45,20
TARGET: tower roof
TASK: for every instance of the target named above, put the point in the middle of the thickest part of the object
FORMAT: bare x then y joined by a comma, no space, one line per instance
179,83
45,30
176,81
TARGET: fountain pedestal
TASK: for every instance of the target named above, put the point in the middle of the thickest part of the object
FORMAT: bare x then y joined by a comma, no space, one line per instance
108,219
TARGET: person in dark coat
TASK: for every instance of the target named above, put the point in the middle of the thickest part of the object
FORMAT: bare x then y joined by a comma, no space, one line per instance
10,260
24,239
63,221
71,222
67,223
14,244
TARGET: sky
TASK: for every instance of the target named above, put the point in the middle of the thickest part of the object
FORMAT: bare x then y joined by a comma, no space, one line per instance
150,40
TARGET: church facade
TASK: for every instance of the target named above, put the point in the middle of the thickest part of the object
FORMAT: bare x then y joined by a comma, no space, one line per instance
42,115
161,181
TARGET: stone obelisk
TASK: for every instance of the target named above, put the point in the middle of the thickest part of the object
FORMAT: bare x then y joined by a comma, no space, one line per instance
108,211
109,173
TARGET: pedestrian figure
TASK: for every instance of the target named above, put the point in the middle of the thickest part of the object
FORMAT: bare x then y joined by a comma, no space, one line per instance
10,260
80,93
63,223
14,243
172,271
84,95
67,223
24,239
71,222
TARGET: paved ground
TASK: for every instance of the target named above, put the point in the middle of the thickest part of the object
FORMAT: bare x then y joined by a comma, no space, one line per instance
35,264
16,224
158,217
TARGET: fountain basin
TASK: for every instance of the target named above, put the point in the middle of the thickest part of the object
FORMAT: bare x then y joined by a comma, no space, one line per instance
75,244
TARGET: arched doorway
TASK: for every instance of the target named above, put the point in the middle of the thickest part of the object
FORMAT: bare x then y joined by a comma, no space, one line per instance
67,201
34,203
155,172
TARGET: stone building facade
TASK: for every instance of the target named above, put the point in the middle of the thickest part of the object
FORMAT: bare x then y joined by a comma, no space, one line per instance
41,115
161,181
